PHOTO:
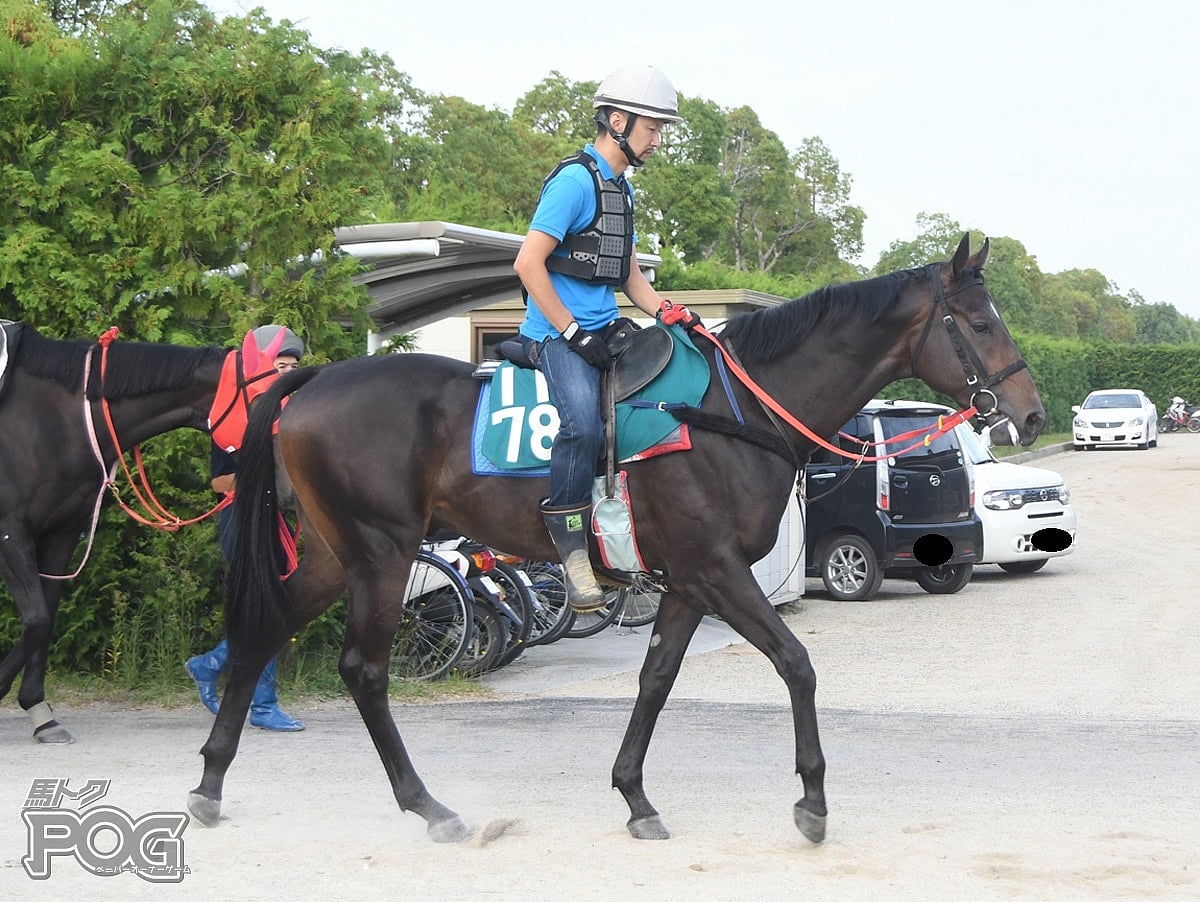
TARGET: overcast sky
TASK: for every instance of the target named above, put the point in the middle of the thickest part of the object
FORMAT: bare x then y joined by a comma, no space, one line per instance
1064,124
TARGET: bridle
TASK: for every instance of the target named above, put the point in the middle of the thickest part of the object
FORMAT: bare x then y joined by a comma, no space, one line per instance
157,514
971,364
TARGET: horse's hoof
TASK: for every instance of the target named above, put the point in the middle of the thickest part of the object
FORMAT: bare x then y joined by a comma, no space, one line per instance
205,810
450,830
811,825
648,828
53,734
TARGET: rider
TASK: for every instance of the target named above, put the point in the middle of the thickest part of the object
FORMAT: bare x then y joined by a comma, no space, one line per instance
579,249
1178,406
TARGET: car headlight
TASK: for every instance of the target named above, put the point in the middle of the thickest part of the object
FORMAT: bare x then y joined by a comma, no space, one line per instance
1080,423
1003,500
1064,494
1137,421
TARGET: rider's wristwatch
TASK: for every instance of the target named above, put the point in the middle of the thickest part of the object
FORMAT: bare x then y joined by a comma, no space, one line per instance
569,332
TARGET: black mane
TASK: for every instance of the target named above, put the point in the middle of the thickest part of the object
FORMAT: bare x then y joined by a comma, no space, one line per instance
766,334
134,368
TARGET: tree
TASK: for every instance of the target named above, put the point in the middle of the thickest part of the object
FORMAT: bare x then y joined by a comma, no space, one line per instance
166,172
829,189
480,168
684,205
560,109
1014,280
936,239
1100,314
1162,323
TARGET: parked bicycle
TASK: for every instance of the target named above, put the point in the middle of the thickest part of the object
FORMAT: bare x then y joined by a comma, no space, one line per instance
437,621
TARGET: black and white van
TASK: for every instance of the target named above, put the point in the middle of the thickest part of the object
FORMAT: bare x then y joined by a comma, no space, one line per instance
909,515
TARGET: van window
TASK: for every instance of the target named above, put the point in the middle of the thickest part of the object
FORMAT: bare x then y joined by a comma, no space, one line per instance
973,446
894,426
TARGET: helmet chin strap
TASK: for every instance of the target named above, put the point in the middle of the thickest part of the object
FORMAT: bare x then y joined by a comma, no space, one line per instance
622,138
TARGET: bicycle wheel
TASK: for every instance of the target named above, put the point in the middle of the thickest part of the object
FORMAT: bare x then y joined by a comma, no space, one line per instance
436,623
517,594
584,625
489,638
551,617
640,608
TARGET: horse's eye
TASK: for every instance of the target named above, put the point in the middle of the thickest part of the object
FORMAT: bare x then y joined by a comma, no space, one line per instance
981,328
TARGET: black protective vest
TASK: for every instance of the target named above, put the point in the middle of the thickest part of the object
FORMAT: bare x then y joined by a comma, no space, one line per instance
601,252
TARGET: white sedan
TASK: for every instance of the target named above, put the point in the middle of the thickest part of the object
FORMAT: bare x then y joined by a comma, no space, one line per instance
1114,417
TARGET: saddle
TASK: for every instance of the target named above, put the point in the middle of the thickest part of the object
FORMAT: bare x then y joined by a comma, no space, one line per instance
638,355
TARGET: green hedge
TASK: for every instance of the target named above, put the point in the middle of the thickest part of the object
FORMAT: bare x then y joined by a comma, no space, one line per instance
1066,370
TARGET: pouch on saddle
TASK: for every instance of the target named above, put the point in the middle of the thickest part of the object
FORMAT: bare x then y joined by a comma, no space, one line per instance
638,355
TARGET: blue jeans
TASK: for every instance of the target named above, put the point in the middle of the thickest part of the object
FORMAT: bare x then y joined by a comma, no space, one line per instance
575,390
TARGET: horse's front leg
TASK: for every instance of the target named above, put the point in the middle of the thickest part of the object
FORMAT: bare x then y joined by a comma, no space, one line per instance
375,607
673,630
747,610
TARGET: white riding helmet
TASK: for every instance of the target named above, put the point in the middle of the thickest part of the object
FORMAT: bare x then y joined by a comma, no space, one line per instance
641,90
1177,400
292,345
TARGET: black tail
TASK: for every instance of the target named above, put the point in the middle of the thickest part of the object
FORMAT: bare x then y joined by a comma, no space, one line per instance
256,602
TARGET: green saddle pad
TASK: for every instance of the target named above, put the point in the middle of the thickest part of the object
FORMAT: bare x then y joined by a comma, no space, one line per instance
516,422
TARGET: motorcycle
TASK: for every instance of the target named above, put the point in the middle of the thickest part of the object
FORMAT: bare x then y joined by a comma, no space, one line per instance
1180,415
501,610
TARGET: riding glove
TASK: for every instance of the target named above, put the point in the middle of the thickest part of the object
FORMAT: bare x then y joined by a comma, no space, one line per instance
671,314
588,345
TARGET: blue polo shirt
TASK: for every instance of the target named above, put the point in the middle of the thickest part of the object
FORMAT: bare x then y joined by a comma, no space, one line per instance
567,206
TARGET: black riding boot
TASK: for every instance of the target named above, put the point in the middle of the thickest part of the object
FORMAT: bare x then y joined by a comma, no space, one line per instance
569,529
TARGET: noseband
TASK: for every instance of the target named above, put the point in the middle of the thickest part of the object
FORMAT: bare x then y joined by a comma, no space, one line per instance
971,364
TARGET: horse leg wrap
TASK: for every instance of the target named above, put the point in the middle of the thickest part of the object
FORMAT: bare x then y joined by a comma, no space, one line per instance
40,715
569,527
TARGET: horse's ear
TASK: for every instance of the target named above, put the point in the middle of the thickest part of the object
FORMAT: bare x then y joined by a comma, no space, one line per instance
959,263
249,354
256,361
980,259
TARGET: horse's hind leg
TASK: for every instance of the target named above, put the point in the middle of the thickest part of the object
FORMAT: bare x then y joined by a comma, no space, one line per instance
37,604
673,630
245,666
371,621
310,590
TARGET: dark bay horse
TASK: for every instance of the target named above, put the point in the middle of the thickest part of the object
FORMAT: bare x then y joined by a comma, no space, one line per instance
51,479
377,454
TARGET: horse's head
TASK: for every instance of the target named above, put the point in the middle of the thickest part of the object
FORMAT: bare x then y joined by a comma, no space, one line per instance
962,348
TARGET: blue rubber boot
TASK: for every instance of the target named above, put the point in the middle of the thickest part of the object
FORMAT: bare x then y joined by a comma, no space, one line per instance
264,707
205,669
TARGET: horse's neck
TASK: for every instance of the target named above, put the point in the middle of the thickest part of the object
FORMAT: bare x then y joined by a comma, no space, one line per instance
140,418
134,420
826,380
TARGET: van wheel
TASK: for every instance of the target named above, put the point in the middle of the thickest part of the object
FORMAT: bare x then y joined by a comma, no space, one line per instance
946,579
849,568
1023,566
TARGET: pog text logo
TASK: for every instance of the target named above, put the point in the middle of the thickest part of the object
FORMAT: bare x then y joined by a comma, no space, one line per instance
105,840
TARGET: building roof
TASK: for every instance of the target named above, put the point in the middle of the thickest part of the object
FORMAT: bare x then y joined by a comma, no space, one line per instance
422,272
